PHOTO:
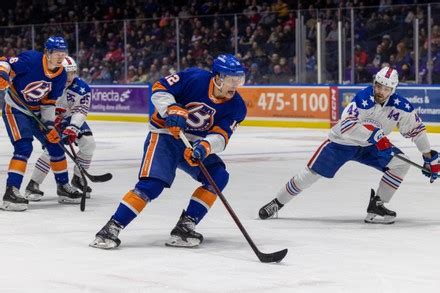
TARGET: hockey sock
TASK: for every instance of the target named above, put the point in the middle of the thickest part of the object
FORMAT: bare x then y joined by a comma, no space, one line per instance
297,184
201,201
86,145
391,179
59,168
84,161
42,167
17,168
131,205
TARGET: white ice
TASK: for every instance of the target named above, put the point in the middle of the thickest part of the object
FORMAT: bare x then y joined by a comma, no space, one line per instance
331,249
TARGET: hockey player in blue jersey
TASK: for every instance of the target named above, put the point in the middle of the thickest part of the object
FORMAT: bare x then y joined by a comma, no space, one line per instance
72,109
207,107
36,80
360,136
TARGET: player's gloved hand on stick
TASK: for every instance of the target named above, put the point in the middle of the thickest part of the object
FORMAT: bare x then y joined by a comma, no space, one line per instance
432,164
51,133
176,119
198,153
4,80
70,134
382,143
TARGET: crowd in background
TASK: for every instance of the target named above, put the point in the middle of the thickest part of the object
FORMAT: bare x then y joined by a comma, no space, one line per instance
264,40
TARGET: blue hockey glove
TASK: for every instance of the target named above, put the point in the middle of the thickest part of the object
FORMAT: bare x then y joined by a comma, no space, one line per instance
176,119
432,164
198,153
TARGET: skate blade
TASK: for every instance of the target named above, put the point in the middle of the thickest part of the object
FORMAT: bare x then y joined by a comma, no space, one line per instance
103,243
13,207
68,200
33,196
176,241
376,219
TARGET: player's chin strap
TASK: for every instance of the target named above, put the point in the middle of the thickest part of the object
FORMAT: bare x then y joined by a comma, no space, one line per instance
263,257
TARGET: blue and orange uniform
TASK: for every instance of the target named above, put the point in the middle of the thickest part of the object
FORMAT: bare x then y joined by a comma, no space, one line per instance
208,122
37,87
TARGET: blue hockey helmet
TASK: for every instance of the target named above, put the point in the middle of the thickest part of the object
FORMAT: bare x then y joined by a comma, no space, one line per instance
230,70
227,64
56,43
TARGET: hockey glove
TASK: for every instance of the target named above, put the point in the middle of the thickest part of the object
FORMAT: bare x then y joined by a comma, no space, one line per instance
4,79
176,119
70,134
432,164
198,153
379,139
51,133
59,119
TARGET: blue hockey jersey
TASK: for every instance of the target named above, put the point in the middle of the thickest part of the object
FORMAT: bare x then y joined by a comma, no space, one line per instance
32,82
193,88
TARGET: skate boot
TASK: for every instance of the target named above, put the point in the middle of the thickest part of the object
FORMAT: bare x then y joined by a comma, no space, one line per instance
107,237
78,183
13,200
376,208
68,194
183,234
33,192
271,209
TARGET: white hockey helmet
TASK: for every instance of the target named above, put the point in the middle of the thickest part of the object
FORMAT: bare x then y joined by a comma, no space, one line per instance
389,77
69,64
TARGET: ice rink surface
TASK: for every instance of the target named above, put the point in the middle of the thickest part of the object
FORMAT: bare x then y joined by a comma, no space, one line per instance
45,249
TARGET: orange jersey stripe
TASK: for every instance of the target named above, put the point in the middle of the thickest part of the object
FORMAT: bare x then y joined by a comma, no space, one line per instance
157,86
46,70
58,167
46,101
155,118
134,202
204,197
12,123
219,130
17,166
146,165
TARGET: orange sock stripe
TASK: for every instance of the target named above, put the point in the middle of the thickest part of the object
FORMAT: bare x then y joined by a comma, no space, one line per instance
204,197
17,166
146,165
12,123
134,202
59,167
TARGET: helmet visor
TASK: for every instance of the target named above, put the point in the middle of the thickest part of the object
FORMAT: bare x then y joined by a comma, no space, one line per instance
233,80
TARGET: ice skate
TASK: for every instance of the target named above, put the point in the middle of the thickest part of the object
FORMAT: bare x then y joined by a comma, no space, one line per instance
377,212
183,234
78,183
33,192
270,209
13,200
107,237
68,194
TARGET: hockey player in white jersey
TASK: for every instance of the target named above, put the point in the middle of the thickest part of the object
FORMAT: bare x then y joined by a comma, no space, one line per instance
72,109
360,135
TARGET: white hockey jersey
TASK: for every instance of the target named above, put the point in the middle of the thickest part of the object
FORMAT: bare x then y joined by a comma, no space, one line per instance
395,112
75,102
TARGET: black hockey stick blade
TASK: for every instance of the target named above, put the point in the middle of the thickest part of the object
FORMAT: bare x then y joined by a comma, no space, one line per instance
99,178
272,257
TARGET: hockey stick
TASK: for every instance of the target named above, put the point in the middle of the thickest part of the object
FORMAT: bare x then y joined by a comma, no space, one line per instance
44,127
400,157
263,257
94,178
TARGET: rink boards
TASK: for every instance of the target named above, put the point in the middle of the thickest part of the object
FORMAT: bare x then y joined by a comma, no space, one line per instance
301,106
